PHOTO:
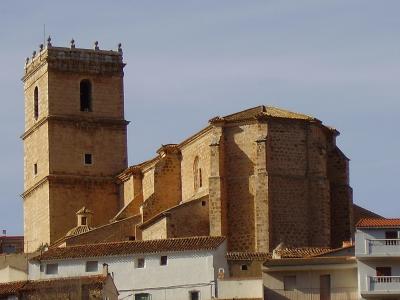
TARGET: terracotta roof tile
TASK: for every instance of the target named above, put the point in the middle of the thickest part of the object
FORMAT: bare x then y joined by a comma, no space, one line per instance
262,110
248,256
302,252
11,288
132,247
93,281
378,223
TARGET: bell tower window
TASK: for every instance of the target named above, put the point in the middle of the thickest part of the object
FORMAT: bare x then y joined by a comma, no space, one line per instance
86,95
36,103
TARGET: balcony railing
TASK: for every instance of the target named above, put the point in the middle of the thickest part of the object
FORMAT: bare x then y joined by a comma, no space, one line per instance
312,294
383,246
384,283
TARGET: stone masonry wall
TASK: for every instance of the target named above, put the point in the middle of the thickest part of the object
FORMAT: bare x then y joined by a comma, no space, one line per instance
107,144
167,186
240,150
298,187
107,95
156,231
36,218
123,230
69,195
341,197
189,220
200,147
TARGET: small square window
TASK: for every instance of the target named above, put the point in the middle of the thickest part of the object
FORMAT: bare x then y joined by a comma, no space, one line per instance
194,295
52,269
163,260
244,267
143,296
35,169
92,266
203,203
88,159
140,263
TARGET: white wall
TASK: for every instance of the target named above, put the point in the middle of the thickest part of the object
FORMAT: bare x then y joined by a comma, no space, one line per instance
185,271
240,288
364,234
368,268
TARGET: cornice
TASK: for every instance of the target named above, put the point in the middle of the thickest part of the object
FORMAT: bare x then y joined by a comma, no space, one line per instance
68,178
74,119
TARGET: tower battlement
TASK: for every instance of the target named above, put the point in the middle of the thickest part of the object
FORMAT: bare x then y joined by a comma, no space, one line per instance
72,59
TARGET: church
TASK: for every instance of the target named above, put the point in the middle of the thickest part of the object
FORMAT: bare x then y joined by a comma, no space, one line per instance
260,177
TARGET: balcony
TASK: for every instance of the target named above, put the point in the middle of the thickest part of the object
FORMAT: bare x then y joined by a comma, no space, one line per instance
383,247
382,286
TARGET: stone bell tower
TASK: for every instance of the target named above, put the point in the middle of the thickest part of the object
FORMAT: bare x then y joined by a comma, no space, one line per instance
75,138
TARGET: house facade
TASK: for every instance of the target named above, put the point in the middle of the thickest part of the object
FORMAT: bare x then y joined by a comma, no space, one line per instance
378,258
311,273
185,268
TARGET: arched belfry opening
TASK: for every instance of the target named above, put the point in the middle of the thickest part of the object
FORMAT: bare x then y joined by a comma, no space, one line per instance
36,103
86,95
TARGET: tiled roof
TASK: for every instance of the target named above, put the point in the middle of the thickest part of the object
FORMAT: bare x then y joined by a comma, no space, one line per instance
78,230
13,288
93,281
248,256
267,111
132,247
378,223
301,252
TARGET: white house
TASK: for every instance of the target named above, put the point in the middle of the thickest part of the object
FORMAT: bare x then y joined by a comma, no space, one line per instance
180,268
378,258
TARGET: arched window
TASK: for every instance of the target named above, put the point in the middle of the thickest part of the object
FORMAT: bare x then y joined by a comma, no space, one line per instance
197,177
86,95
36,103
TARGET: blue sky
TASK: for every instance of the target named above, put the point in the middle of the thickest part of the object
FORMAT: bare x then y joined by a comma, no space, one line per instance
188,61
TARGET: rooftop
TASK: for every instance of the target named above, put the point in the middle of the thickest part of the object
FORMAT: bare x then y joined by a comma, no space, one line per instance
378,223
133,247
13,288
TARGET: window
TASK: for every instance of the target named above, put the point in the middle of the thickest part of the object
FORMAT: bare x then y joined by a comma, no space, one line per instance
83,220
35,169
200,179
391,235
203,203
143,296
86,95
244,267
140,263
163,260
51,269
194,295
383,271
88,159
197,176
36,103
289,282
41,268
92,266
